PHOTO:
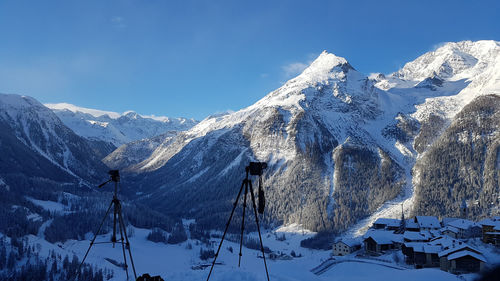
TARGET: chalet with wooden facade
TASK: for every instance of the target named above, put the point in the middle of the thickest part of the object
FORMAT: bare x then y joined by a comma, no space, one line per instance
432,243
462,259
346,246
491,230
388,224
465,228
421,254
427,223
378,241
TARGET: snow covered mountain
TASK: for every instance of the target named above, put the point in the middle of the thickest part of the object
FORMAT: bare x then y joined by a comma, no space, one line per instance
339,144
116,128
135,152
36,144
308,131
342,148
435,91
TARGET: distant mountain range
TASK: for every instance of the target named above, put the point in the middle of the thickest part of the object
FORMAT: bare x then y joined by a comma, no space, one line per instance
116,128
341,146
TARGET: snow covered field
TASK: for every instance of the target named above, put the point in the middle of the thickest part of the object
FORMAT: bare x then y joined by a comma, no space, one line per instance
175,262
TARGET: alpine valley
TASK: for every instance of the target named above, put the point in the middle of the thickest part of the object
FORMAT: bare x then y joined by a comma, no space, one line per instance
343,148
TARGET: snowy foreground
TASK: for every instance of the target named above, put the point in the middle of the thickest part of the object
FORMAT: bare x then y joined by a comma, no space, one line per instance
175,262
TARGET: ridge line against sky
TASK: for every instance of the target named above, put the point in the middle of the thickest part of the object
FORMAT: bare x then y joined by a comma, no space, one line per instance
195,58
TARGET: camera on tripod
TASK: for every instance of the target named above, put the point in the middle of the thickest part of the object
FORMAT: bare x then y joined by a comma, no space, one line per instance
115,175
256,168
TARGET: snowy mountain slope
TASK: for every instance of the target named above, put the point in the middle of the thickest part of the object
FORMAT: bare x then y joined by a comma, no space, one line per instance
135,152
471,169
460,71
431,90
306,131
327,134
114,127
35,143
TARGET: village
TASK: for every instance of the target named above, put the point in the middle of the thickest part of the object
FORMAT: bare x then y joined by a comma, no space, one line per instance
454,245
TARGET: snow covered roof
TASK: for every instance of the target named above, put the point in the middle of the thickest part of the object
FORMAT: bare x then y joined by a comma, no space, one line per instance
428,221
459,247
431,233
462,224
410,223
383,237
417,246
495,221
349,242
445,241
446,221
388,222
423,247
414,236
464,253
449,228
380,239
432,249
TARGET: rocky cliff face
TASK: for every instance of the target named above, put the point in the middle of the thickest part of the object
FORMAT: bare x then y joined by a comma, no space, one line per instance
36,144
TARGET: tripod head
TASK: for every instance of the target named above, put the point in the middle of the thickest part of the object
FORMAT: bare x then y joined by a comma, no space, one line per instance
256,169
114,176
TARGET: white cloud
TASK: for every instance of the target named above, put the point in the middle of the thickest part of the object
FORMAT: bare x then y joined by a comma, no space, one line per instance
294,69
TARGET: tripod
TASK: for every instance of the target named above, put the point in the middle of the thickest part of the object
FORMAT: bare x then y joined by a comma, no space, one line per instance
247,184
117,218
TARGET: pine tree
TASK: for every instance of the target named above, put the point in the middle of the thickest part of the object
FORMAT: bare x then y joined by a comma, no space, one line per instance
11,262
3,257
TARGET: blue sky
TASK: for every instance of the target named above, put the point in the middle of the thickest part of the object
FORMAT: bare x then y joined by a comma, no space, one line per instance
194,58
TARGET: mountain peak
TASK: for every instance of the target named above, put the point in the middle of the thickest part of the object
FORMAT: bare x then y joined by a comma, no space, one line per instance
131,114
18,101
452,60
325,67
327,63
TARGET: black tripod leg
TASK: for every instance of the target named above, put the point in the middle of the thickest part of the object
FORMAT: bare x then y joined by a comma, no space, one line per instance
113,238
243,221
258,228
118,211
93,239
225,231
122,224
